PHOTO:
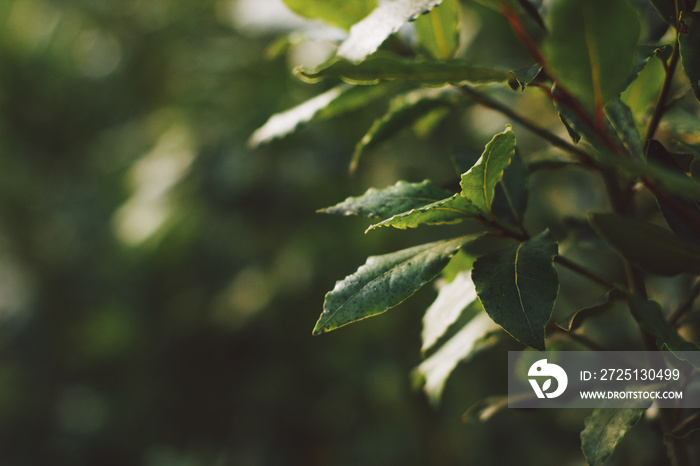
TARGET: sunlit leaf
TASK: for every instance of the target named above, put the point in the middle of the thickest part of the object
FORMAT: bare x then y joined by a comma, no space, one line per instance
446,211
341,13
451,300
393,68
404,110
438,31
650,317
689,40
396,199
650,246
367,35
385,281
479,183
518,287
591,45
644,90
475,336
281,124
605,428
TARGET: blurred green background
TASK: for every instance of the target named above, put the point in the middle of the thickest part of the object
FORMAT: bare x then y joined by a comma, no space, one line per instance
159,280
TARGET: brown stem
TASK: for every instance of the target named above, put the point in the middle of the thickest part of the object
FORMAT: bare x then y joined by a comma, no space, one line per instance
553,139
661,104
686,305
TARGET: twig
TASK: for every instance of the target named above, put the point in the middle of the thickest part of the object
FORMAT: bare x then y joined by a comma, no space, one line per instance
661,106
685,306
548,136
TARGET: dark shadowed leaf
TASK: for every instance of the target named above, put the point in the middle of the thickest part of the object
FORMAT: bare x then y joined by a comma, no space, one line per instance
686,427
396,199
650,246
385,281
687,225
518,287
591,45
510,196
650,317
403,111
523,77
690,49
605,428
341,13
574,320
393,68
479,183
451,210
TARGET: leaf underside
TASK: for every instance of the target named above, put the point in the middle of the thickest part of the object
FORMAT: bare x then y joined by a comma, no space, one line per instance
605,428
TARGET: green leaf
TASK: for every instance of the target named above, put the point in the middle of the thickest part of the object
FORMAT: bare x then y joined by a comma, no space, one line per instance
644,89
404,110
451,300
475,336
622,120
591,45
523,77
354,98
649,246
479,183
577,128
510,195
605,428
667,9
650,317
447,211
687,226
392,68
341,13
689,41
574,320
518,287
382,203
385,281
438,31
484,409
367,35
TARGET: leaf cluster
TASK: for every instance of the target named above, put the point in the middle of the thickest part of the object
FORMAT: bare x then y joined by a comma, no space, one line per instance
612,84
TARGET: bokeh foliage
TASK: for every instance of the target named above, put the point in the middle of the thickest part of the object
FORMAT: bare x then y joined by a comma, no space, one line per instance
160,278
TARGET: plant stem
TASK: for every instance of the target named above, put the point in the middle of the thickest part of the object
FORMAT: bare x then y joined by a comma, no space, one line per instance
579,269
685,305
583,340
548,136
661,106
